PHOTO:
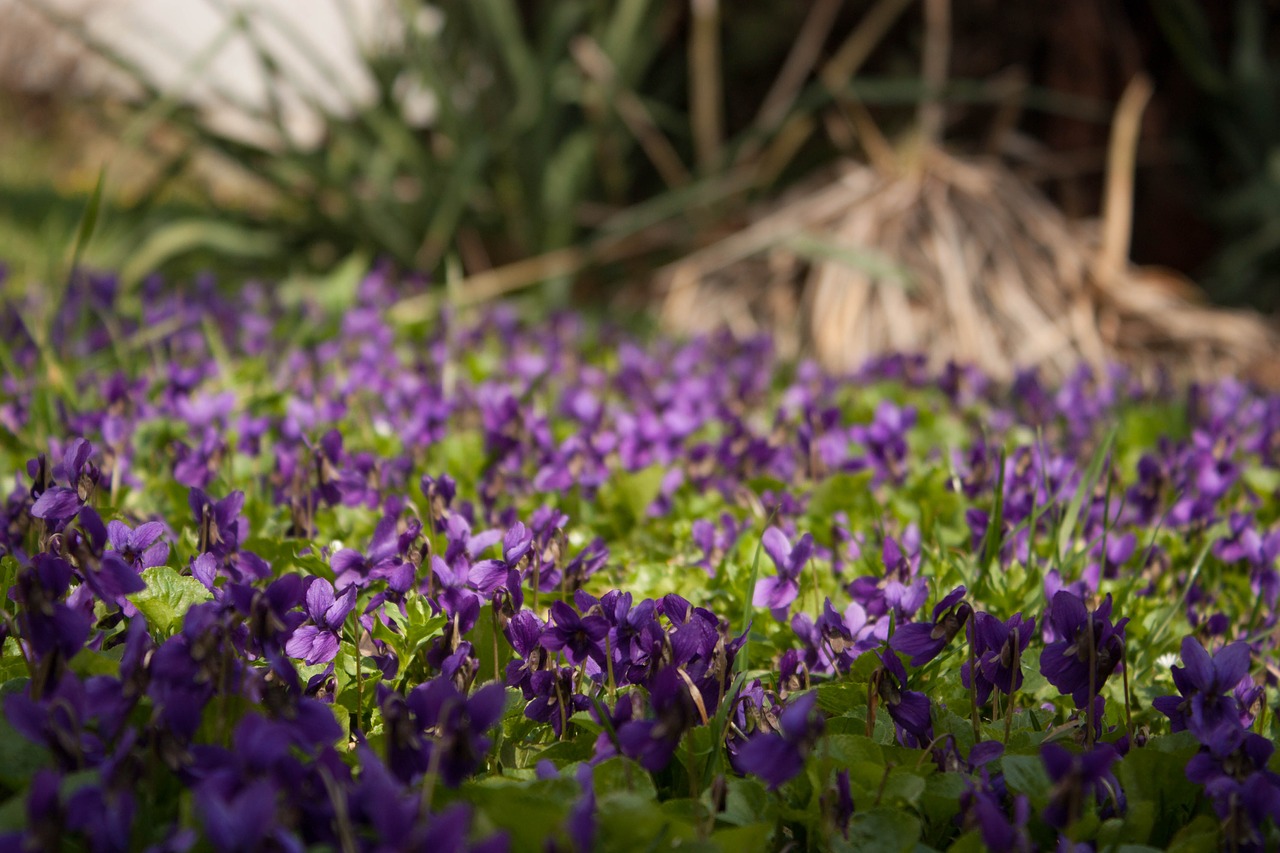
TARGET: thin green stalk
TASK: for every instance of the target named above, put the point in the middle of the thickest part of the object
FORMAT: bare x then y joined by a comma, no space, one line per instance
608,654
433,771
1017,669
884,781
493,617
359,671
973,690
1128,711
1093,683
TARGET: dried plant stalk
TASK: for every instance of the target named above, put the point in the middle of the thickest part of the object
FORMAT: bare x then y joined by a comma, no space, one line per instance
999,278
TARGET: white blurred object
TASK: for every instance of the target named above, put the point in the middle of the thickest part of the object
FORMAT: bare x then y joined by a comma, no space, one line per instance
192,50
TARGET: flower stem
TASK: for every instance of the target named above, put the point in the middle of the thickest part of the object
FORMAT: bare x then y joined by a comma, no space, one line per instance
1128,712
1093,684
1017,671
608,657
973,691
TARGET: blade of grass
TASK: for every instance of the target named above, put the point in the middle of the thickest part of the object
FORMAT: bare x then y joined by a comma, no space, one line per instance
1068,529
718,725
622,37
596,65
503,19
992,539
931,115
801,59
178,238
88,223
815,246
705,83
742,662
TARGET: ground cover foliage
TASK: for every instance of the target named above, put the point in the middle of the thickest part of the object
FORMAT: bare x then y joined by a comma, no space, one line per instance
283,576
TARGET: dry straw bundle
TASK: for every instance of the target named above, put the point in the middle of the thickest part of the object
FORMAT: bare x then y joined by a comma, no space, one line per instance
963,260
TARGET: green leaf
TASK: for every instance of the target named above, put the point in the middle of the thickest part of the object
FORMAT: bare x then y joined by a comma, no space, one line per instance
88,222
622,774
851,749
903,788
1025,774
627,495
530,812
880,830
941,799
1083,492
746,801
19,757
168,597
1199,836
630,822
754,836
842,492
89,662
185,236
1155,778
841,697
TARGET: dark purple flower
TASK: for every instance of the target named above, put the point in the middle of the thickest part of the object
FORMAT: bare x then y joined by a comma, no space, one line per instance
777,593
925,640
379,802
524,632
218,522
1081,638
458,724
488,575
104,572
1076,776
351,567
581,823
45,620
652,742
579,636
554,698
318,641
1205,682
902,589
58,504
1244,792
237,820
909,709
981,809
777,757
714,541
999,647
140,547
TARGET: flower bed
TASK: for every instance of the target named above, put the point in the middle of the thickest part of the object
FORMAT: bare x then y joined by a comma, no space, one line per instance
289,578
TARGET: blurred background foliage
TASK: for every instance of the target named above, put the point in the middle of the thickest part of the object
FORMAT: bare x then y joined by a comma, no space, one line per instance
585,142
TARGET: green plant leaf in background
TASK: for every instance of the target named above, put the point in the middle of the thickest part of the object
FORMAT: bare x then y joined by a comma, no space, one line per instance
167,598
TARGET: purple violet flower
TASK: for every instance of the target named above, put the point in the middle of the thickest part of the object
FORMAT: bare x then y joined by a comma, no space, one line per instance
999,647
909,709
777,593
777,757
580,637
1081,637
1204,683
1076,776
925,640
318,641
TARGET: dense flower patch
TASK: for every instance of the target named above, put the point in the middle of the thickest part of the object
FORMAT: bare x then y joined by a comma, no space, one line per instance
282,578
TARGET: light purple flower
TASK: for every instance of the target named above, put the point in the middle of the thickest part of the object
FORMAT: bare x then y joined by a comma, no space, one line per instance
777,593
